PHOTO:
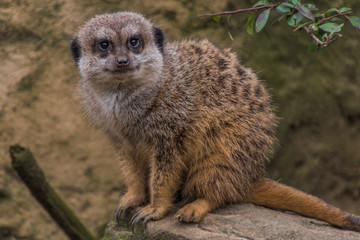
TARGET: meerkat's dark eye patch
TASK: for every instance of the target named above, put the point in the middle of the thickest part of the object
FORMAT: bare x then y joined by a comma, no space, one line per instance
136,43
103,45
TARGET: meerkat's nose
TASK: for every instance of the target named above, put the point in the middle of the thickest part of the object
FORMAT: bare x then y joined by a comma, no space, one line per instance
122,62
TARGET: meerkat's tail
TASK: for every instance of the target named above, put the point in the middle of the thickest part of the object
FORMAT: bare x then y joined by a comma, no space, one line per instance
272,194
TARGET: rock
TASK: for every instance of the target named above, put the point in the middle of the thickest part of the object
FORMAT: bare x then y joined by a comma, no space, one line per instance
235,222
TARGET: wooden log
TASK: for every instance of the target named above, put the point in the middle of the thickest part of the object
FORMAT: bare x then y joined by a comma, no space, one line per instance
31,174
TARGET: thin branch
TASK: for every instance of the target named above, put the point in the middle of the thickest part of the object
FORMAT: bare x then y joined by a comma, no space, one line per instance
337,15
328,41
239,11
319,43
317,40
332,39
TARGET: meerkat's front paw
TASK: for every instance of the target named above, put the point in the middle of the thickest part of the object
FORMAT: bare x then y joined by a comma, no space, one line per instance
128,202
148,213
193,212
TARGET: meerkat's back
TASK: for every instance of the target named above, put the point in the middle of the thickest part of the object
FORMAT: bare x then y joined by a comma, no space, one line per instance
231,118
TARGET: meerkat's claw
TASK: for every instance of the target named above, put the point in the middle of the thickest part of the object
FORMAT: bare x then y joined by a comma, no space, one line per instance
135,219
148,213
146,220
121,213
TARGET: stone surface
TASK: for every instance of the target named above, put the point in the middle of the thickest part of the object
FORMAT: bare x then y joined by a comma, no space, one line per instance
235,222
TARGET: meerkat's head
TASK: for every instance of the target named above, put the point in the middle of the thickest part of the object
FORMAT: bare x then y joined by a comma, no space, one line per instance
118,47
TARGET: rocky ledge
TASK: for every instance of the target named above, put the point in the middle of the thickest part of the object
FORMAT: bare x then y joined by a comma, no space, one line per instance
238,221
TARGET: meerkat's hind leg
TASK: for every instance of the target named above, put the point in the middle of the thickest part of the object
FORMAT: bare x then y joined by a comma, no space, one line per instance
195,211
212,184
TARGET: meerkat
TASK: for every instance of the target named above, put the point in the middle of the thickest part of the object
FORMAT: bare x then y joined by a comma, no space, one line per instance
184,117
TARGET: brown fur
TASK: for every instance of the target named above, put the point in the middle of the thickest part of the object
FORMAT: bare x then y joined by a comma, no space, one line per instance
182,116
276,195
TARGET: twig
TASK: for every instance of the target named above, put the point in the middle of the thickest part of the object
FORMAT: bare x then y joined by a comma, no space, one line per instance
31,174
337,15
317,40
320,43
239,11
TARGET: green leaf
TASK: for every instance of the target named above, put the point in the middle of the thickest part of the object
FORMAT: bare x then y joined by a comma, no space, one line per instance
355,21
310,6
318,15
216,18
291,20
298,17
305,11
313,47
250,23
283,8
301,26
259,3
344,9
314,27
294,2
261,20
336,19
331,10
279,19
331,27
290,5
323,37
231,37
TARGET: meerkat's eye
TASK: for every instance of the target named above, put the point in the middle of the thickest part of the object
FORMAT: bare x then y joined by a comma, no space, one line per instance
103,45
134,42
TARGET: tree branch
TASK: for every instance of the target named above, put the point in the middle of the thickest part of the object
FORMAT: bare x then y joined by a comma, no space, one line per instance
320,43
337,15
317,40
239,11
31,174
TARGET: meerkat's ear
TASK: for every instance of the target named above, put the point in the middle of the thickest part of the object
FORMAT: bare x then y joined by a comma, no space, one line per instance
75,49
159,38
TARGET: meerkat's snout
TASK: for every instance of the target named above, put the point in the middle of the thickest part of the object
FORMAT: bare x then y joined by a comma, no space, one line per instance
122,58
122,62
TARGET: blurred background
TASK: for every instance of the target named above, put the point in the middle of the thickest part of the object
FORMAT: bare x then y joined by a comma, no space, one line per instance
316,96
